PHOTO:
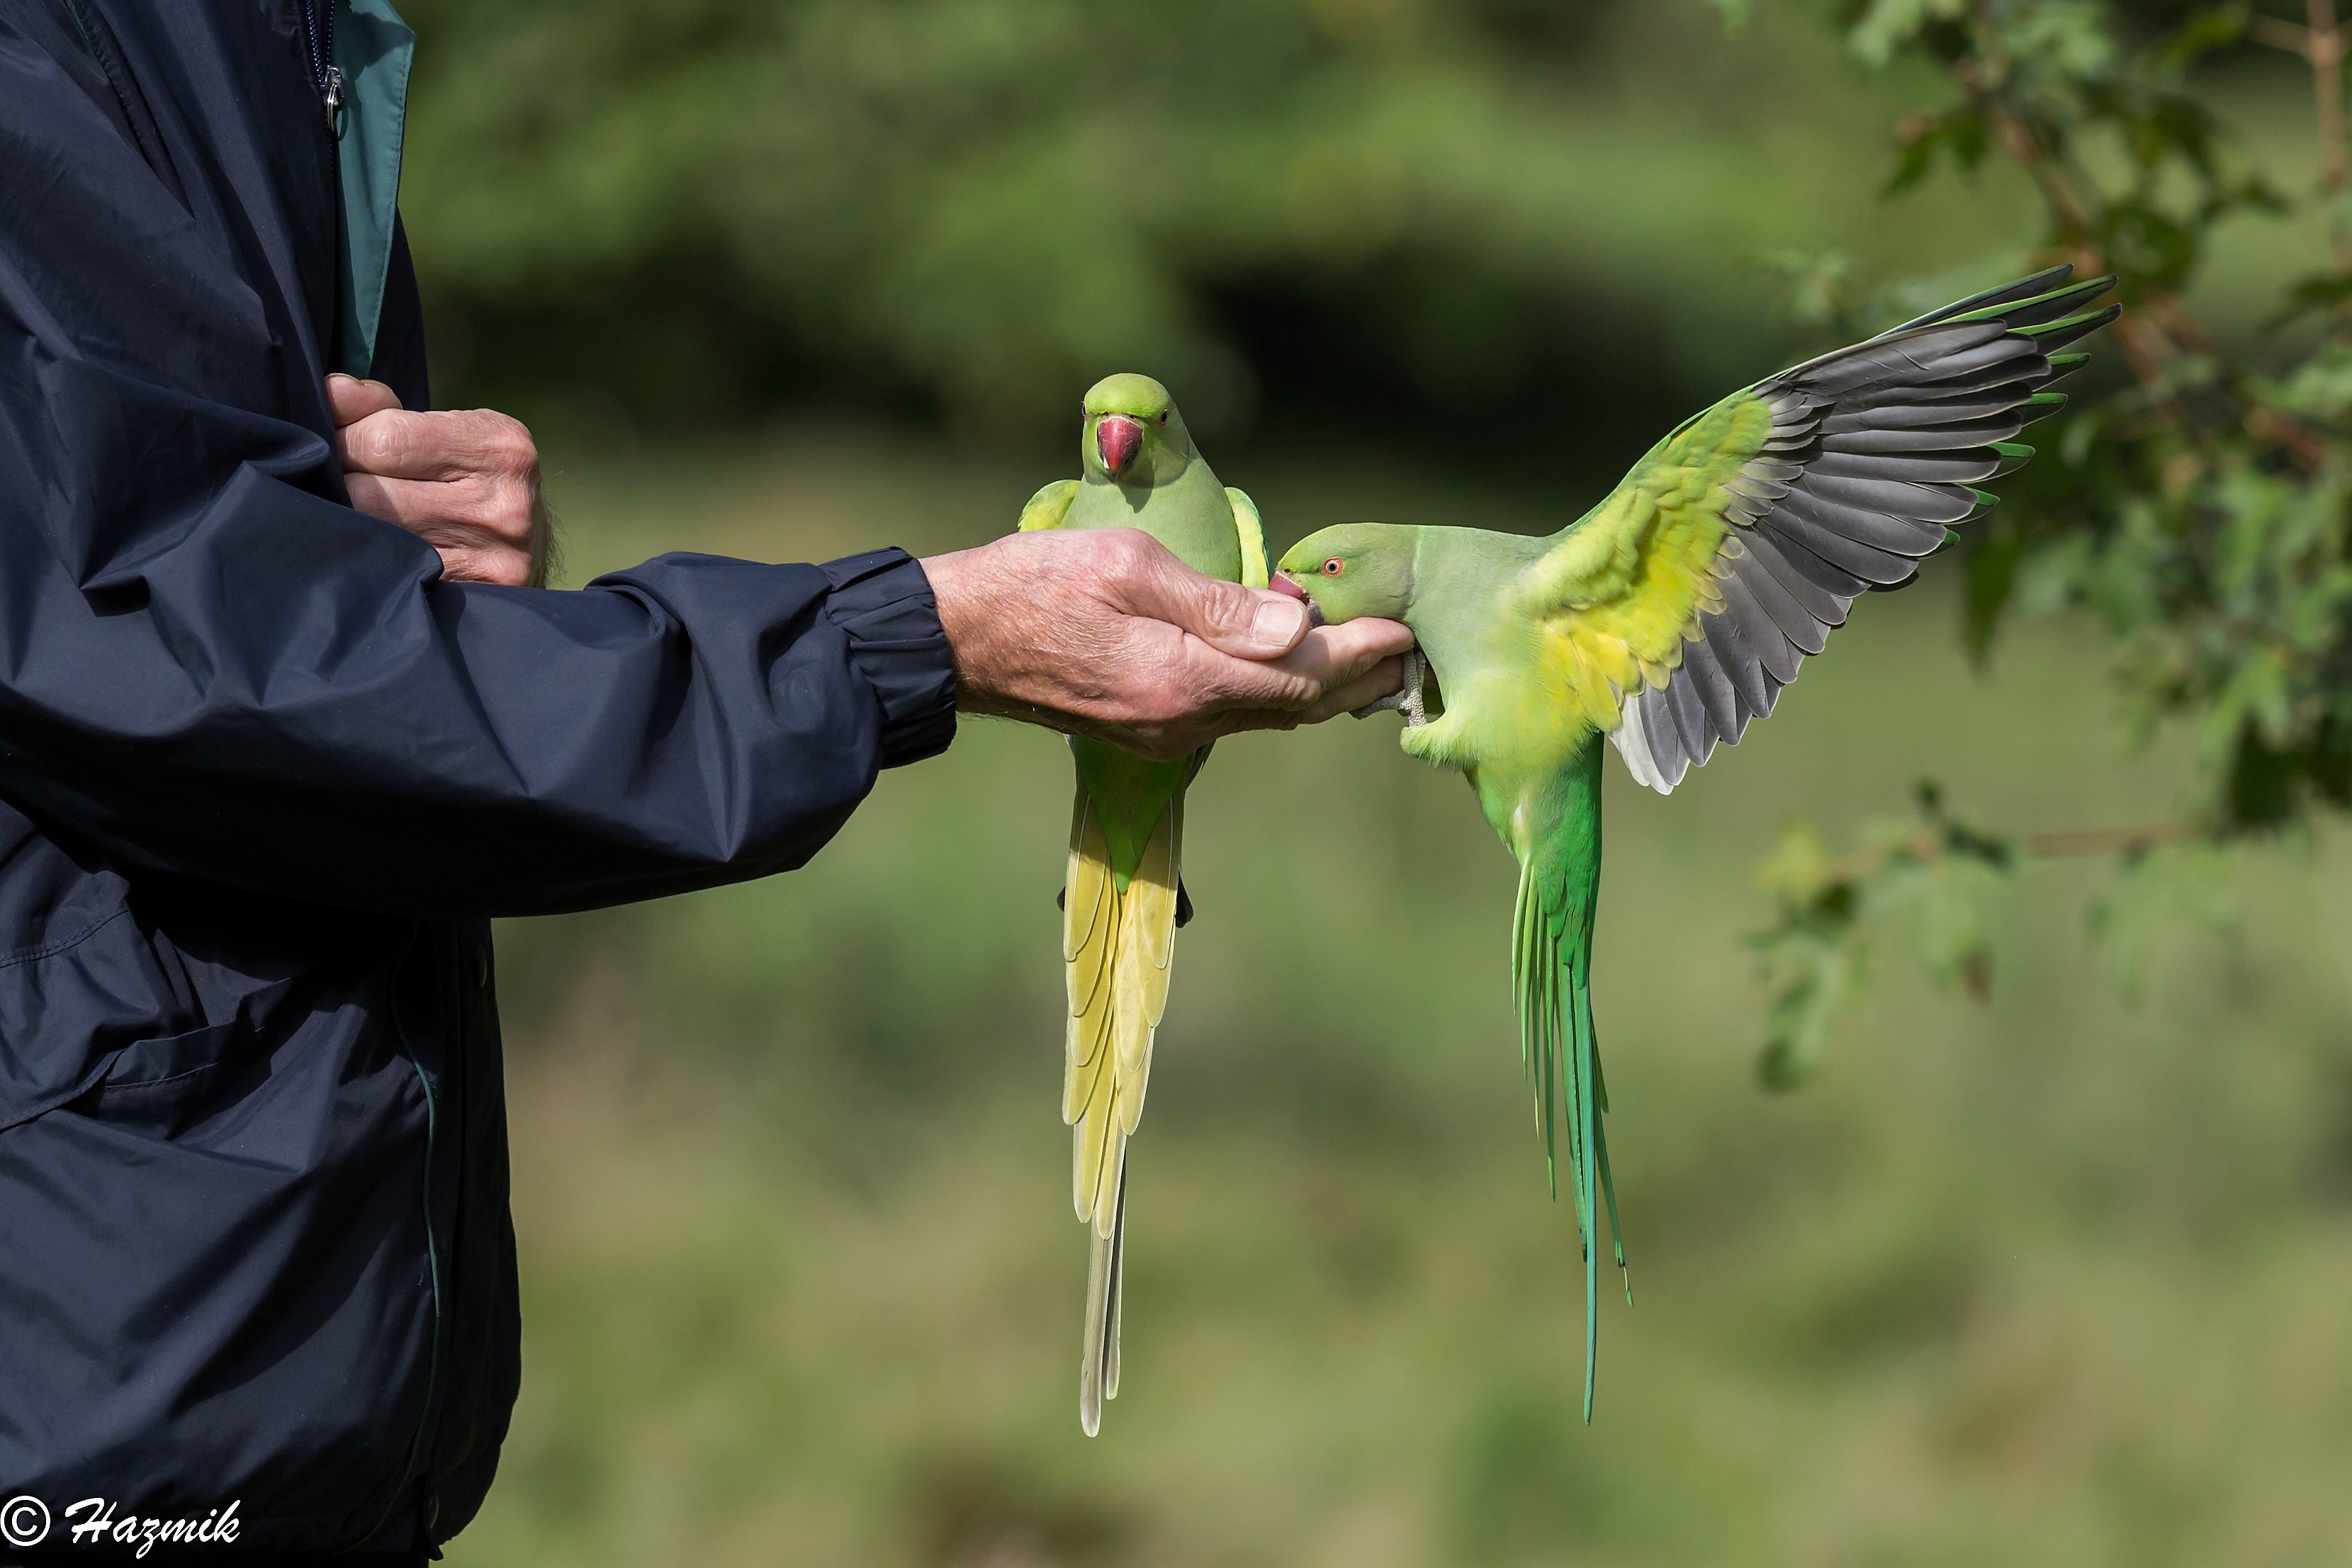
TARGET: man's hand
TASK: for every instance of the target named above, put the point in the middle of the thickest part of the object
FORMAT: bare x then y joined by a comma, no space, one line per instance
466,483
1104,633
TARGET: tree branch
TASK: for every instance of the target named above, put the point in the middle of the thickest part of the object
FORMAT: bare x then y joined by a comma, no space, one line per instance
2321,46
2067,843
2326,52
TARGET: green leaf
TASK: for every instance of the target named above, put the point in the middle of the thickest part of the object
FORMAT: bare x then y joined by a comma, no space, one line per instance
1990,580
2204,31
1885,27
1958,134
1822,979
1733,13
2320,292
2157,890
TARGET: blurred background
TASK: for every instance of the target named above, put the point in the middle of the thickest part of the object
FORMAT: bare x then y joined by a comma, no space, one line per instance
2057,1275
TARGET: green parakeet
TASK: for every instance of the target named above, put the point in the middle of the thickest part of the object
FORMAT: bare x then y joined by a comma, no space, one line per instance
1121,905
1671,613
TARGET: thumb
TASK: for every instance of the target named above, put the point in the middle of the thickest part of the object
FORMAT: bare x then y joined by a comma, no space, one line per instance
1246,622
351,400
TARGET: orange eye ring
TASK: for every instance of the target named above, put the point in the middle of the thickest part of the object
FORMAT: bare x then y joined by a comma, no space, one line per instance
1332,567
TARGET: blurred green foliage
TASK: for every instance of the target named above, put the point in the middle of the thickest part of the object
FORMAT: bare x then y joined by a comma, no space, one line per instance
1430,215
2203,514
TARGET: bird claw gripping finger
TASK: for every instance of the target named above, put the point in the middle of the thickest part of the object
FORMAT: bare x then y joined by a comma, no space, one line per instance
1411,700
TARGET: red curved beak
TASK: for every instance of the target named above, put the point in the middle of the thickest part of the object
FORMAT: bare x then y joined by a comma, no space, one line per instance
1283,582
1118,439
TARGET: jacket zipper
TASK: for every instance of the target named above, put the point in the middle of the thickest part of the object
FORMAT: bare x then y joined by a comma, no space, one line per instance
319,32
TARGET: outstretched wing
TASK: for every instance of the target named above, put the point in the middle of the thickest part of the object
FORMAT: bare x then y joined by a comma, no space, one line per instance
1048,507
1252,534
1681,605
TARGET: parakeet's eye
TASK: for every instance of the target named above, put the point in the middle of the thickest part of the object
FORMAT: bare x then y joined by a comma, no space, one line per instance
1331,567
1161,418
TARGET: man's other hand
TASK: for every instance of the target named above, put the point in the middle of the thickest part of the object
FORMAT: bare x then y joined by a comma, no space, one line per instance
1104,633
465,483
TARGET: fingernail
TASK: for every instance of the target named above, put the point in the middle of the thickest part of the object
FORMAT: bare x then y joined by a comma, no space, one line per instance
1279,623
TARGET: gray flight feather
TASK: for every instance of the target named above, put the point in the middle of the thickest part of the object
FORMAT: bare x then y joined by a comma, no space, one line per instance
1874,566
1890,497
1804,632
1764,638
2023,288
1691,725
1742,666
1717,697
1883,530
1666,740
1964,466
1939,437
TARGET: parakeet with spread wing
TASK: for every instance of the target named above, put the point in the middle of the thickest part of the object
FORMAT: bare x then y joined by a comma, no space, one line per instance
1125,897
1671,613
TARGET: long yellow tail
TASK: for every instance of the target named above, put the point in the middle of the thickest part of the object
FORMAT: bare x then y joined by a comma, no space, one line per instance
1117,944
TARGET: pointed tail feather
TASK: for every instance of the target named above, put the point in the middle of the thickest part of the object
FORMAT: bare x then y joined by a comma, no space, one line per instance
1551,967
1099,1366
1119,943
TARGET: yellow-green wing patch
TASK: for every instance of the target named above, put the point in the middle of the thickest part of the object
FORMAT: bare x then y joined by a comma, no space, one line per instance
1049,505
1616,596
1252,532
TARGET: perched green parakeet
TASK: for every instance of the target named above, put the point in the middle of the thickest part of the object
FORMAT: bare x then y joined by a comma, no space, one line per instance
1121,905
1671,613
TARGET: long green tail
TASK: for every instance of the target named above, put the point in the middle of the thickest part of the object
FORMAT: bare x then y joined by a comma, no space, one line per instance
1551,971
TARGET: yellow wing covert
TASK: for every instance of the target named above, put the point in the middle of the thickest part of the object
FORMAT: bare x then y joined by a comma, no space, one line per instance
1255,573
1048,507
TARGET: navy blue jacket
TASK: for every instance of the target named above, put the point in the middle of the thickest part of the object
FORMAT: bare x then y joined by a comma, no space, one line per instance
264,775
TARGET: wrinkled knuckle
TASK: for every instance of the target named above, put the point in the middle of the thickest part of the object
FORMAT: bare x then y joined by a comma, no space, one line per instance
394,442
1131,551
1291,692
1225,605
363,446
513,511
475,505
509,440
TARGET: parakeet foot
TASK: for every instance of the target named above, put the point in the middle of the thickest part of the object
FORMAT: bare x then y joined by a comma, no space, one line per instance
1412,700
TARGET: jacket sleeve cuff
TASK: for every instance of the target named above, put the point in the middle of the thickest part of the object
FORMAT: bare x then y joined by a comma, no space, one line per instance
882,603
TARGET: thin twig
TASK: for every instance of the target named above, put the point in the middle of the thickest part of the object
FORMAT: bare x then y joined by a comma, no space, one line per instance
2067,843
2321,45
1928,845
2280,34
2326,52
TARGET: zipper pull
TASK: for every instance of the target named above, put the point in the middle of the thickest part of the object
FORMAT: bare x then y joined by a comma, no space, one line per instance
333,97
